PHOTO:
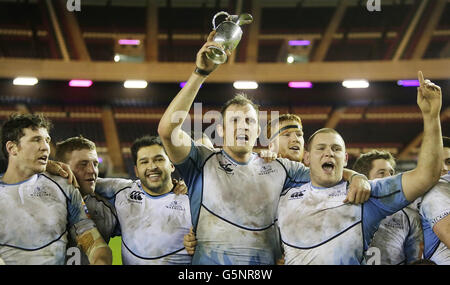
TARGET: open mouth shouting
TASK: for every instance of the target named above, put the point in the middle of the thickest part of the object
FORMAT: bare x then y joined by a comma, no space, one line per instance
43,159
294,148
242,139
328,167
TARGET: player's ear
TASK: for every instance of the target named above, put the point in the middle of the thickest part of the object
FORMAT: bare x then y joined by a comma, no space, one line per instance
346,160
135,171
306,158
11,148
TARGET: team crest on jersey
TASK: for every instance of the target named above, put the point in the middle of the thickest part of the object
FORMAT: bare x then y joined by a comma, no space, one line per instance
227,167
135,197
266,169
297,195
40,192
174,205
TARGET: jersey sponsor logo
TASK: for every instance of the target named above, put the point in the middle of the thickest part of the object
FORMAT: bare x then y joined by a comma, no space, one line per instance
174,205
266,169
135,197
297,195
40,192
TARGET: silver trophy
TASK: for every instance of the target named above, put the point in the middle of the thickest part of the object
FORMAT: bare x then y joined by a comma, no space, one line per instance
228,34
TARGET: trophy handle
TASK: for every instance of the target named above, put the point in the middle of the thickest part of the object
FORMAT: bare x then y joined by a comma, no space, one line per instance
216,15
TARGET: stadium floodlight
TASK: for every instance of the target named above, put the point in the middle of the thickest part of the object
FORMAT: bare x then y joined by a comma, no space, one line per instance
299,43
141,84
245,85
300,84
80,83
25,81
117,58
128,42
409,83
355,83
290,59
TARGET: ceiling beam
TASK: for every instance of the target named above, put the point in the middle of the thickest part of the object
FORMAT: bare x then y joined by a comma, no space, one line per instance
324,45
58,32
151,40
335,118
409,32
74,35
430,26
415,143
434,69
252,47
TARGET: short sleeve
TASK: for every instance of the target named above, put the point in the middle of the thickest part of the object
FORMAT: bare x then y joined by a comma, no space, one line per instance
191,167
297,173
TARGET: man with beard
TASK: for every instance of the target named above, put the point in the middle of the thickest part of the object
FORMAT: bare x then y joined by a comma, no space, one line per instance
153,219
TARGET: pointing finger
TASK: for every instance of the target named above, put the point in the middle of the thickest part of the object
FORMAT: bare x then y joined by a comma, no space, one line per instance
421,79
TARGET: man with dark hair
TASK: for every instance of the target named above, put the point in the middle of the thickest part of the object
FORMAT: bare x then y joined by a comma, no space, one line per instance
35,207
375,164
399,237
153,219
233,193
81,155
435,213
345,231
